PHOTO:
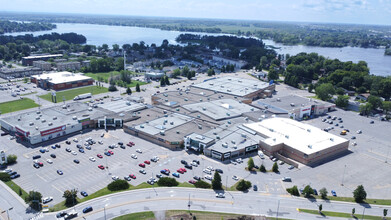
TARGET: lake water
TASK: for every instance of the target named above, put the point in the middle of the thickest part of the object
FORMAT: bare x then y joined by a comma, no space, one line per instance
105,34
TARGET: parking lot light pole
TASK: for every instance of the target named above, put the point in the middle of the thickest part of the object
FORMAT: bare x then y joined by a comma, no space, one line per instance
343,175
278,207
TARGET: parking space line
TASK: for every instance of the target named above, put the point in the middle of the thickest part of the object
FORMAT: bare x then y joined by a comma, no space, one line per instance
57,188
41,177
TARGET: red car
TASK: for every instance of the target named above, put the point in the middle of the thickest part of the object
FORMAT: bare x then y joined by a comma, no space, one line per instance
132,176
192,181
180,171
141,165
101,167
99,155
184,170
110,152
131,143
147,162
40,164
128,144
167,170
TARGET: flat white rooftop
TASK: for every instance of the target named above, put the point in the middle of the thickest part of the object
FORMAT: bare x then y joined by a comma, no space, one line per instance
62,77
233,85
302,137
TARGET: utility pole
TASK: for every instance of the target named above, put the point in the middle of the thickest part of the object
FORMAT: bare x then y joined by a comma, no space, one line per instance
278,207
363,214
188,205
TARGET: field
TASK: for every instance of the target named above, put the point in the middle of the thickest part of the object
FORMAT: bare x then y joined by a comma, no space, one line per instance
71,93
17,105
107,75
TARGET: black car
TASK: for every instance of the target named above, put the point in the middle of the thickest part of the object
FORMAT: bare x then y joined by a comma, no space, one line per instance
12,173
196,161
256,167
196,178
67,142
255,187
78,145
15,176
68,149
188,166
57,145
219,170
183,162
36,157
83,193
53,155
76,161
87,209
36,165
120,143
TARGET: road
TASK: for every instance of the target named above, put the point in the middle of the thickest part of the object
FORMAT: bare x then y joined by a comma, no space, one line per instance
156,199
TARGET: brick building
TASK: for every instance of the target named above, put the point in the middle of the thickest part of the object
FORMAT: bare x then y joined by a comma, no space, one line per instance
61,80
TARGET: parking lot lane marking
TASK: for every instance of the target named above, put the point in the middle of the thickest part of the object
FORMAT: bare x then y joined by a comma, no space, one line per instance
57,188
41,177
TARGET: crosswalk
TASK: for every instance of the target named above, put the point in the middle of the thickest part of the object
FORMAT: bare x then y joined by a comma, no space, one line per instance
38,216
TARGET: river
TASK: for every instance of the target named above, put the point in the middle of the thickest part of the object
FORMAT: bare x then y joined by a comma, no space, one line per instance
378,63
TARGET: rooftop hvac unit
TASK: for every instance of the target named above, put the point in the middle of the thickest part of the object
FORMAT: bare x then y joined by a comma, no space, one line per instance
240,81
74,117
166,100
55,117
271,129
64,106
165,120
331,139
214,133
172,123
198,116
200,100
246,118
278,99
244,135
200,126
36,128
252,109
218,137
228,90
50,123
211,84
292,104
274,139
89,109
287,136
165,115
228,114
233,141
31,123
37,118
141,126
203,108
186,99
43,120
224,145
229,79
229,122
38,112
161,132
235,147
177,109
309,130
310,146
208,99
177,132
222,86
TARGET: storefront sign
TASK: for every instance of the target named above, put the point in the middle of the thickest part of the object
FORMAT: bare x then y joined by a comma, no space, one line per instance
53,130
26,134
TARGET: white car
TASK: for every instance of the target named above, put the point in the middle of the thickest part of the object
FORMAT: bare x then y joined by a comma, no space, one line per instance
207,171
235,178
139,151
239,160
100,142
73,152
92,159
359,132
208,177
115,177
210,168
220,195
47,199
134,156
103,134
233,162
194,164
75,140
49,161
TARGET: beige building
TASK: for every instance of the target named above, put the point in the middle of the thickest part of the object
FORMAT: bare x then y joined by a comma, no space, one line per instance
68,66
43,65
297,141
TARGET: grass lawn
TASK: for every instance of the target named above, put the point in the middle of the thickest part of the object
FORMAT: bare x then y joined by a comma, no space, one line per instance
351,199
137,216
17,105
107,75
16,188
186,184
184,214
71,93
341,214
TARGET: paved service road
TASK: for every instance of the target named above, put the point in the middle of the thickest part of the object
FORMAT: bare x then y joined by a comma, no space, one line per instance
154,199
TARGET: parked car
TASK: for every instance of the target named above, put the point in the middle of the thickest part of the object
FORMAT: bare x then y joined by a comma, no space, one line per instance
68,149
101,167
76,161
235,178
220,195
92,159
192,181
142,171
159,176
53,155
176,174
83,193
68,142
315,192
208,177
141,165
87,209
333,193
188,166
60,172
127,178
115,177
255,187
139,151
132,176
99,156
196,178
147,162
183,162
134,156
47,199
219,170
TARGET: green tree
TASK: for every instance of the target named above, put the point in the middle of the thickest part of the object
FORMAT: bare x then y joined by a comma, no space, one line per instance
176,73
307,191
115,47
273,74
275,167
20,191
34,199
118,185
243,185
167,181
262,168
189,75
5,177
366,109
128,91
385,211
323,193
211,72
353,211
263,63
375,101
112,88
185,71
25,80
359,194
250,164
342,101
162,82
216,182
70,197
310,87
325,91
386,106
138,87
320,208
166,80
293,191
11,159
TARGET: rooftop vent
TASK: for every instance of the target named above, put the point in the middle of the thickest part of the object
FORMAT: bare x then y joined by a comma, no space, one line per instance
31,123
287,136
43,120
172,123
74,117
229,122
141,126
331,139
233,141
211,84
224,145
50,123
203,108
36,128
162,133
278,99
309,130
38,112
310,146
292,104
55,117
177,132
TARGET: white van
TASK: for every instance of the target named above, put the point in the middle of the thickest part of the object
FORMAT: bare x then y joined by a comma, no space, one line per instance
261,155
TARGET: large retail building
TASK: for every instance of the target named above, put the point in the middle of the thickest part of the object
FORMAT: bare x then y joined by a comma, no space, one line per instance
61,80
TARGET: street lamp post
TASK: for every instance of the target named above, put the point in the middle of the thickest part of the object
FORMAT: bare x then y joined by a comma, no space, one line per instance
278,207
343,175
188,205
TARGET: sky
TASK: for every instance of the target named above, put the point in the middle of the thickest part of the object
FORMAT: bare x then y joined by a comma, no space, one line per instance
327,11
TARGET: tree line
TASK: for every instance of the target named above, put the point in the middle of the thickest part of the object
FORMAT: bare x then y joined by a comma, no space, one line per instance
13,26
